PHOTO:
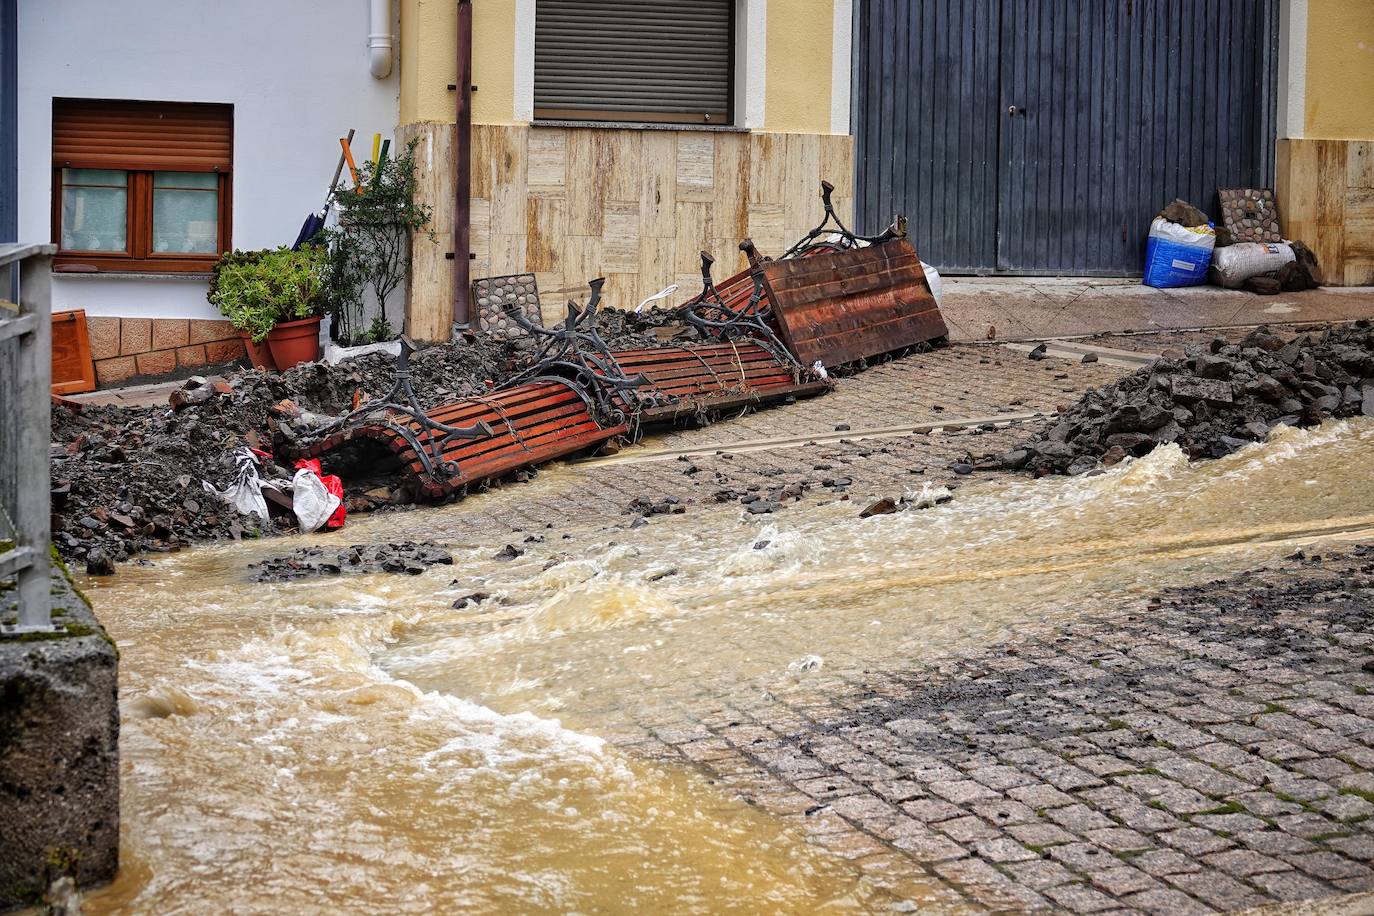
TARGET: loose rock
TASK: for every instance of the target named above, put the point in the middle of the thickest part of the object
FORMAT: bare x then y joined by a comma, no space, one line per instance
1211,401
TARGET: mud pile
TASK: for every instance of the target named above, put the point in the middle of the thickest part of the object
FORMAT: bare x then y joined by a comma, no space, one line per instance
128,480
1211,401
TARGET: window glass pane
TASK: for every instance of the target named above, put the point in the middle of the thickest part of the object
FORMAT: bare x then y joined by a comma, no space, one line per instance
208,181
95,209
105,178
185,213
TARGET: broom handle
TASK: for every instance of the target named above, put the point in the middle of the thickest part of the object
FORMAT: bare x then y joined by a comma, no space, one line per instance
352,166
338,171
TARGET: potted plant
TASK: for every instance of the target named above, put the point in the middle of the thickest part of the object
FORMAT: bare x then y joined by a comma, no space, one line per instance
273,298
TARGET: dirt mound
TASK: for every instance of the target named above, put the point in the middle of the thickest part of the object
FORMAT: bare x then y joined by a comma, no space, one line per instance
127,480
1211,401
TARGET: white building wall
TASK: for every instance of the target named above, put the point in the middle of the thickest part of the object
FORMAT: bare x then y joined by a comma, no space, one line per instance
296,72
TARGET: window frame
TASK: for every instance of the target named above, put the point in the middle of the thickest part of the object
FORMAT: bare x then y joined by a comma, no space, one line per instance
684,120
138,255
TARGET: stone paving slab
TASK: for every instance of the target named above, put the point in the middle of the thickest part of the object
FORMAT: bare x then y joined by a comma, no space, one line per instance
1210,750
1036,307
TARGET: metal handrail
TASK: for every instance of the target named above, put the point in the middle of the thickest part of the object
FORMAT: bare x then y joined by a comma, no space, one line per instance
25,475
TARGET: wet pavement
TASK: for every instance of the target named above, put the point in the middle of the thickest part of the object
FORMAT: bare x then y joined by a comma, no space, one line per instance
986,705
1212,750
1037,307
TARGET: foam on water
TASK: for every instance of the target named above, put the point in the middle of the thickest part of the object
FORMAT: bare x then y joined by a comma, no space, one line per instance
359,743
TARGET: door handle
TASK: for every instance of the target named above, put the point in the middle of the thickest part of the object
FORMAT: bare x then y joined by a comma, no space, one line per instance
1014,111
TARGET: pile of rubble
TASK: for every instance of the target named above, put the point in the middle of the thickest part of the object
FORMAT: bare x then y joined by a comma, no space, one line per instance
1211,400
408,557
128,479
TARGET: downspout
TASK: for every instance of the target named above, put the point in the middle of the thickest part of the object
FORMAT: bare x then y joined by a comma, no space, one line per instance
462,168
380,39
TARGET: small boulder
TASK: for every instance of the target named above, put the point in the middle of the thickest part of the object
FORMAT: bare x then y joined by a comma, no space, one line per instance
98,563
1015,459
1113,456
882,506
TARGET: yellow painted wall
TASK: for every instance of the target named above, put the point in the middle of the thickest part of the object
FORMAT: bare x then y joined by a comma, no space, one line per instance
800,45
1340,70
429,64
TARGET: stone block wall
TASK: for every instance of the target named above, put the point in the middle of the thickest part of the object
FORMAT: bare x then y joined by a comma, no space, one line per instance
1326,199
636,206
124,348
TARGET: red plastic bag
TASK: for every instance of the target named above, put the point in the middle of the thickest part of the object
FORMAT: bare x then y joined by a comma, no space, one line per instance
332,483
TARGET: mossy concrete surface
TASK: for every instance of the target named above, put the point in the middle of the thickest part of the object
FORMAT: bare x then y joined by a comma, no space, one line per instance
59,751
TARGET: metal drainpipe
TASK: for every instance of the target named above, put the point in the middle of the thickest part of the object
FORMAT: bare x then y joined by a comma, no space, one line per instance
462,169
380,39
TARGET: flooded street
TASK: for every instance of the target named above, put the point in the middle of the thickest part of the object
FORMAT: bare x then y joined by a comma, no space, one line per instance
360,743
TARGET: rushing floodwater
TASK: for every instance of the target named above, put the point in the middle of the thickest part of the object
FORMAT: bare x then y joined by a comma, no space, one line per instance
358,743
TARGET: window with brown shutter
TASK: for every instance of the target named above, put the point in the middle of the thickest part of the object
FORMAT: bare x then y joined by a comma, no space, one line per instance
634,60
141,186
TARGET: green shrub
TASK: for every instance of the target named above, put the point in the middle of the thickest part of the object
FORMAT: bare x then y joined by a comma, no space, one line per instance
257,290
371,244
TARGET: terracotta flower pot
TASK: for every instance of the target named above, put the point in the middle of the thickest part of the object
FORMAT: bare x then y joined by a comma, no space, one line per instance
295,342
258,353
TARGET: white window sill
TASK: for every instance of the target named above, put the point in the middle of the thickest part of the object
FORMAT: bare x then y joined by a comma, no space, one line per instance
638,125
126,275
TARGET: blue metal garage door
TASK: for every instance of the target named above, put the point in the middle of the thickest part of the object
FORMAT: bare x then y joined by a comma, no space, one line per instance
1041,136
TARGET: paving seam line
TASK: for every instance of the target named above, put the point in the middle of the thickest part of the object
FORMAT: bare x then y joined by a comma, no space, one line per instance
1056,350
760,445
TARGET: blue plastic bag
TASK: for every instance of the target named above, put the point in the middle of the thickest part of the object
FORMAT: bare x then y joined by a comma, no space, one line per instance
1178,255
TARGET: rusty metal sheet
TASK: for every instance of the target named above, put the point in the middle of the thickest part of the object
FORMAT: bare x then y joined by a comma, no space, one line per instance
839,307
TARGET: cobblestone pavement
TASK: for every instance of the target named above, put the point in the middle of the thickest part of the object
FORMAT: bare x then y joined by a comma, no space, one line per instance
958,381
1213,750
1210,750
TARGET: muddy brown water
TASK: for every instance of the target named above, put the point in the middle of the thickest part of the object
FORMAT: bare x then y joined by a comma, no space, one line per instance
358,744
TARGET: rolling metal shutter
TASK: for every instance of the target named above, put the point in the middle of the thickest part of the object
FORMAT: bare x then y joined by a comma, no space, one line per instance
623,60
148,136
1042,136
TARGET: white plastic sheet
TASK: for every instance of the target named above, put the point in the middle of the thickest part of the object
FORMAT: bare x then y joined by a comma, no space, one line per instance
312,502
245,493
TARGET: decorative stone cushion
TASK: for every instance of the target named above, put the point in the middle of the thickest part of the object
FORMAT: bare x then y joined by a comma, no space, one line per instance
1248,215
494,294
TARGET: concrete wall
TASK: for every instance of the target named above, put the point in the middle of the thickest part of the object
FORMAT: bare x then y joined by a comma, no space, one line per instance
1325,166
1340,70
792,63
59,752
429,62
296,73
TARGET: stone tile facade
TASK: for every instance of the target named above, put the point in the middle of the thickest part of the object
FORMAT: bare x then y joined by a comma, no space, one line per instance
569,204
124,348
1326,199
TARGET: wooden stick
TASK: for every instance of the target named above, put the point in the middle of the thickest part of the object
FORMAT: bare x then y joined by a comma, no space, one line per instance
352,167
338,170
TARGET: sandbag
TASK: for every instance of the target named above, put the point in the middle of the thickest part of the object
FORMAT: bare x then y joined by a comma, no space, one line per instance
1177,255
1234,264
311,500
333,483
